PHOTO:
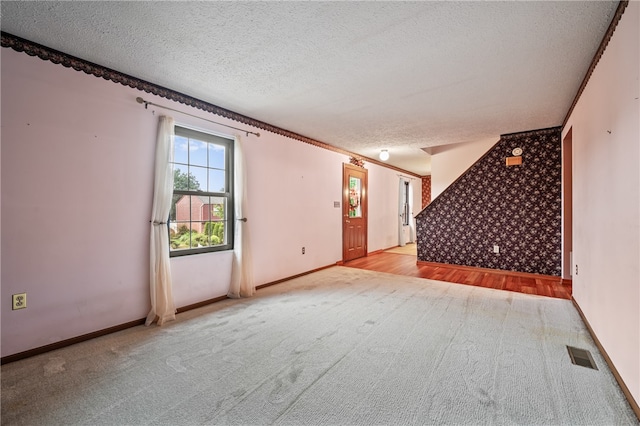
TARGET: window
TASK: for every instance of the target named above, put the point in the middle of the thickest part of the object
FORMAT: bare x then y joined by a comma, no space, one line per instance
406,214
201,216
355,197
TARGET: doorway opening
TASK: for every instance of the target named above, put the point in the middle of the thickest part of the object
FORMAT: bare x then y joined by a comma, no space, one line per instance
567,205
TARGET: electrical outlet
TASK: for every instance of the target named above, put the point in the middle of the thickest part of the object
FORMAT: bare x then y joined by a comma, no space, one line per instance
496,249
19,301
302,250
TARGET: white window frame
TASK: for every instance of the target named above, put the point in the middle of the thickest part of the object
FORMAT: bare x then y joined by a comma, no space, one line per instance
226,194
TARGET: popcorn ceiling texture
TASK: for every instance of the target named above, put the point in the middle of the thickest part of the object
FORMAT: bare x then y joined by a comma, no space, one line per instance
361,76
517,208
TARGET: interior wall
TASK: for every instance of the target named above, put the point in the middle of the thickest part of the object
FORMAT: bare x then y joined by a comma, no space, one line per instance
567,205
426,191
605,126
449,162
518,209
77,173
383,221
416,185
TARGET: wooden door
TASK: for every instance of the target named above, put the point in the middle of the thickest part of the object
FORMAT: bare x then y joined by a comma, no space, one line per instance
354,212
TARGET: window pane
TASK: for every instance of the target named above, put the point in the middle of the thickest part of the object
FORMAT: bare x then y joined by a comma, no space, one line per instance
198,180
198,238
215,233
217,208
221,213
181,238
198,221
181,150
216,181
197,152
216,156
223,233
206,209
355,197
183,208
172,212
181,177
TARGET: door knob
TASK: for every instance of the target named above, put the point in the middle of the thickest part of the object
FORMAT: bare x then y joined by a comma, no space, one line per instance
347,221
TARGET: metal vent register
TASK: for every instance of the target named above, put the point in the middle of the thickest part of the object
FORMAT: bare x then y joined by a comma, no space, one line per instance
581,357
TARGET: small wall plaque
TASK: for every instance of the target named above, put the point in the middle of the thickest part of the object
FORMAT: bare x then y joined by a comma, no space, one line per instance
514,161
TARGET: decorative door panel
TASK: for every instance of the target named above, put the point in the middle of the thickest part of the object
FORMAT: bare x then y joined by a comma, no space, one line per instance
354,212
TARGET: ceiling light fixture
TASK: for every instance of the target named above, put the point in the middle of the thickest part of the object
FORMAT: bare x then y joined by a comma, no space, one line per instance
384,155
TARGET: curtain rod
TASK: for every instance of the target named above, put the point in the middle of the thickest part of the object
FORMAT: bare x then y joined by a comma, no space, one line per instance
408,177
147,103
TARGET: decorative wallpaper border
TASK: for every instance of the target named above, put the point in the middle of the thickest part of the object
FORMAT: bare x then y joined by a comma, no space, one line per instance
603,46
48,54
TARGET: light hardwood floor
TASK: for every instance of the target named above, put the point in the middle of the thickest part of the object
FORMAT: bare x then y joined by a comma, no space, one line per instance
403,264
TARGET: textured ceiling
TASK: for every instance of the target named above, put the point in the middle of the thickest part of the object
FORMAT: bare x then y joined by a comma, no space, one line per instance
362,76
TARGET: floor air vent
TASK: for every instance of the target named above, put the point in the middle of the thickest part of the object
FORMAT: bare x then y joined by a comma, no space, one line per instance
581,357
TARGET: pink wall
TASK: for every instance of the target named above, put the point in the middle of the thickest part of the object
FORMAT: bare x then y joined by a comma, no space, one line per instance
77,149
606,199
76,166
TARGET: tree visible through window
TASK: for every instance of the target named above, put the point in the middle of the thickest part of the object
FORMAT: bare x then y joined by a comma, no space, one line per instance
201,215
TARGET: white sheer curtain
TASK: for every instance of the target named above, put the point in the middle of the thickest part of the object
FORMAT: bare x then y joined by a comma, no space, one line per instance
401,197
411,220
405,195
162,307
401,239
242,284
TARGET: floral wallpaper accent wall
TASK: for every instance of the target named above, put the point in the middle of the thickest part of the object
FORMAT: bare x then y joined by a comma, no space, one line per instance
426,191
516,208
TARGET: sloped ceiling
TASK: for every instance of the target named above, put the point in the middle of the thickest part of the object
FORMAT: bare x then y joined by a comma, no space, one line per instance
362,76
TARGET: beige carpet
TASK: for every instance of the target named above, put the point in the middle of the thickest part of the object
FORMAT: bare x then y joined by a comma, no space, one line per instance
342,346
411,249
